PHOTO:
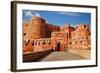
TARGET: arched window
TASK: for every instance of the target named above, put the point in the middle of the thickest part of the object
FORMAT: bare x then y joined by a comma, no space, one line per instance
76,42
39,43
81,41
32,43
44,43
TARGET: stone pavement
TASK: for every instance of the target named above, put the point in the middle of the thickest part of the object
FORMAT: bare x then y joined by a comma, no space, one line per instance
58,56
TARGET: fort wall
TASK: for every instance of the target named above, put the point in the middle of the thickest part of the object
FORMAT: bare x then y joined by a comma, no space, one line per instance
41,36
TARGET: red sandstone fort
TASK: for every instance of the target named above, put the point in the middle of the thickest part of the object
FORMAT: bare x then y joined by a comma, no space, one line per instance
41,36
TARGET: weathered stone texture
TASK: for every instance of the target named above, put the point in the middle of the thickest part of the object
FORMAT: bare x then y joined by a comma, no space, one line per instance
40,36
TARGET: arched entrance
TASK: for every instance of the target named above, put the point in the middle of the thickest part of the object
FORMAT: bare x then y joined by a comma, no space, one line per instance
58,46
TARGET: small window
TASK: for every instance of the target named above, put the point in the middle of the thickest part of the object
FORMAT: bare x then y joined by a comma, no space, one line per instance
32,43
24,34
28,41
26,44
26,25
70,43
39,43
76,42
43,43
86,37
84,26
81,41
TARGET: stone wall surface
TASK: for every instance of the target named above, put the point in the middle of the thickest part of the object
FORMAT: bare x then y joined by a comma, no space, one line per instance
40,36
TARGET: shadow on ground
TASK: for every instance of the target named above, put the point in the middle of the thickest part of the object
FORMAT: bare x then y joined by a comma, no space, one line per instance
37,56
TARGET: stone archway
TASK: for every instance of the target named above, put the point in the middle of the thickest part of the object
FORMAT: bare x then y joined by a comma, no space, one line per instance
58,46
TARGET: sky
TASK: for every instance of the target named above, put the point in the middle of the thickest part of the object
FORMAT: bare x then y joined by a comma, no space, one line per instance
59,18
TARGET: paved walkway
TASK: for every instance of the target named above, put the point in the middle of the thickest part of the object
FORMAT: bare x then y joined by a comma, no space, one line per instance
58,56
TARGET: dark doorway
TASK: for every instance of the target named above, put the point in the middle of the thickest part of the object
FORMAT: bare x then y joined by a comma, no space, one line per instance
58,47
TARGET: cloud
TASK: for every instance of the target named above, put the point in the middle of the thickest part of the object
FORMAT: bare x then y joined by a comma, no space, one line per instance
28,13
69,13
37,14
32,13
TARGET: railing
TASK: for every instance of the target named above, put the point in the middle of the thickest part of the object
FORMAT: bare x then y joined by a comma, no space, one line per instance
36,56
